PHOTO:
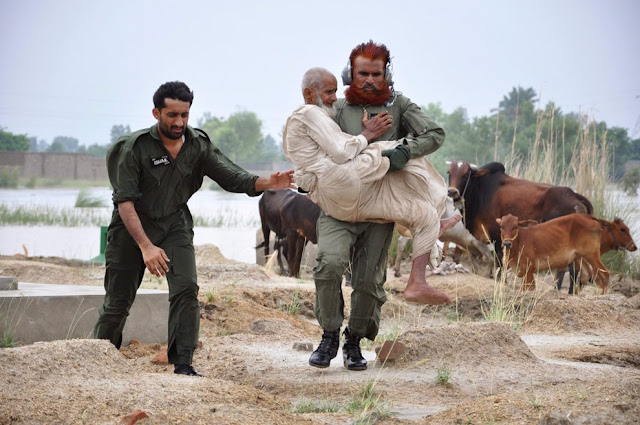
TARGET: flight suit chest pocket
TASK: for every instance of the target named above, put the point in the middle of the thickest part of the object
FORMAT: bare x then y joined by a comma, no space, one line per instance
156,168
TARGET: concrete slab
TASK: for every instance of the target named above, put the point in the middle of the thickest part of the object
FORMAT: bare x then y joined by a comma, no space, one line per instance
43,312
7,283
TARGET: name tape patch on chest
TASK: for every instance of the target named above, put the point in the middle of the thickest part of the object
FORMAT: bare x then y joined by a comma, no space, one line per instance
163,160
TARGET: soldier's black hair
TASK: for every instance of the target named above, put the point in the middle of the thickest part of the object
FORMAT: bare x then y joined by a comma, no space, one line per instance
173,90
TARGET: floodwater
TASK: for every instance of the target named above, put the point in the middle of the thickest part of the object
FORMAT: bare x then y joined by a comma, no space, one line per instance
236,239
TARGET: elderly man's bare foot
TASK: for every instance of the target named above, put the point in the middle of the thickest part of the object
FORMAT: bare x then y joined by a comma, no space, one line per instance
448,223
425,294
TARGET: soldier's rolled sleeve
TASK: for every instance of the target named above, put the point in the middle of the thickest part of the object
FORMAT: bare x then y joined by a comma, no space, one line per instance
124,174
229,175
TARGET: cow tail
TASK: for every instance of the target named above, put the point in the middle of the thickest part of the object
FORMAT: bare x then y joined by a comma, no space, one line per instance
587,204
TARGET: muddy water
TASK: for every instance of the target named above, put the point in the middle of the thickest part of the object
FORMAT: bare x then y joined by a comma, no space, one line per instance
235,240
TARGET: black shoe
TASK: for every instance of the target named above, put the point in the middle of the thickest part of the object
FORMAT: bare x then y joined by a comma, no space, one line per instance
185,369
327,350
351,353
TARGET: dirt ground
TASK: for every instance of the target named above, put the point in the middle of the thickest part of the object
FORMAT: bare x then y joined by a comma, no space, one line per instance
574,360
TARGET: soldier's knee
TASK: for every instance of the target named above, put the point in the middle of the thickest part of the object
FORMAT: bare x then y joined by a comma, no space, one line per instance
330,266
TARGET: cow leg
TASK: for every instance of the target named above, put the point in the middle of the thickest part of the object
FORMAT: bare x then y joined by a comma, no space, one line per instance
298,257
528,284
560,278
280,248
600,273
417,290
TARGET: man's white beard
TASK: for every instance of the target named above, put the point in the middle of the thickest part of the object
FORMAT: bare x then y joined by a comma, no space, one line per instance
330,110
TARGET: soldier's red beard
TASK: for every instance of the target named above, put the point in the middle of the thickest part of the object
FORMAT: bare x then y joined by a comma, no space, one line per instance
373,96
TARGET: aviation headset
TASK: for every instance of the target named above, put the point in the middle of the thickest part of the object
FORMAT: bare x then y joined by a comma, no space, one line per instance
347,73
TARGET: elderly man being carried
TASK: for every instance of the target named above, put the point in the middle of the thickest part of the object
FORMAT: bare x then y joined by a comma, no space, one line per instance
356,179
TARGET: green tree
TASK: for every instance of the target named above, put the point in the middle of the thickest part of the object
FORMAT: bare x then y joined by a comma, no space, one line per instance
271,149
64,144
513,102
117,131
630,181
13,142
239,137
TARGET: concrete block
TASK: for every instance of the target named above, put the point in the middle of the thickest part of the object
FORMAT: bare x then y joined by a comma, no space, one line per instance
8,283
43,312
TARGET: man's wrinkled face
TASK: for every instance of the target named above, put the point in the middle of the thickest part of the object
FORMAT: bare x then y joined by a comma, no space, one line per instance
326,94
368,74
173,118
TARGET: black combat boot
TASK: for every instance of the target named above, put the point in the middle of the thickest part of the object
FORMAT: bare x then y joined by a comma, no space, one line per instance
327,350
185,369
351,353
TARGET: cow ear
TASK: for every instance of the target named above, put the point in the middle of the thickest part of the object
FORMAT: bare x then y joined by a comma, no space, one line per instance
481,172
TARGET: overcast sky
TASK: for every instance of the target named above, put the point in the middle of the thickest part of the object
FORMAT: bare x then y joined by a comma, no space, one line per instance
76,68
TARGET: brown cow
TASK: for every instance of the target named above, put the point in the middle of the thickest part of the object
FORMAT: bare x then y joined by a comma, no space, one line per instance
292,216
487,193
615,235
553,245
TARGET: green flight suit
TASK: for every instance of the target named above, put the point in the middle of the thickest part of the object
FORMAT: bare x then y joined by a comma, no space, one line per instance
367,244
142,170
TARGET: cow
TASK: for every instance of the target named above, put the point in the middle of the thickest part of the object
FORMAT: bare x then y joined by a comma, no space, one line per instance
614,235
292,216
552,245
488,193
456,234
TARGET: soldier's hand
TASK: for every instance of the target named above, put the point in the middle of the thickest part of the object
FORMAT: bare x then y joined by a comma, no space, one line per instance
282,180
156,260
376,126
398,157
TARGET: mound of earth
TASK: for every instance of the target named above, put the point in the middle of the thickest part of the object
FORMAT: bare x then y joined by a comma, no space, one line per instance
100,385
575,359
575,314
468,344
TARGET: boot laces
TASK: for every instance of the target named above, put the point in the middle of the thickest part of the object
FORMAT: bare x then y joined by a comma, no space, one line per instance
328,343
352,346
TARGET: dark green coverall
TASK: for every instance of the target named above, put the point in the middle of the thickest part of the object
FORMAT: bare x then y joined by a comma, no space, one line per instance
142,170
370,240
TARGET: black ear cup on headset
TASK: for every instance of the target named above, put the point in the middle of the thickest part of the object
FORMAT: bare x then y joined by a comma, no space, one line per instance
347,74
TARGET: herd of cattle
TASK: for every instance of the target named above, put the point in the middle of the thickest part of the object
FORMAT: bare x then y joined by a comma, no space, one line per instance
541,227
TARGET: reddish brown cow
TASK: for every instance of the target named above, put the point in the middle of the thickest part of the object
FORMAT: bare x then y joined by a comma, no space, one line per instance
553,245
487,193
615,235
292,216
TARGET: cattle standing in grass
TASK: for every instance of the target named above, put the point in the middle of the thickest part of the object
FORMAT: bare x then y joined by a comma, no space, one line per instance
553,245
487,193
292,216
614,235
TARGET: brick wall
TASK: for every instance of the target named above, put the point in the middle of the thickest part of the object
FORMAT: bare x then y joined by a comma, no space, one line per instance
73,166
66,166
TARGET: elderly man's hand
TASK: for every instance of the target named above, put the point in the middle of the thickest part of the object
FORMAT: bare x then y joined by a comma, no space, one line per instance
398,157
376,126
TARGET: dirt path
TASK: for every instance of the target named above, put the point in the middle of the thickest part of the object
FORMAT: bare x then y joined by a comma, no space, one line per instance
576,360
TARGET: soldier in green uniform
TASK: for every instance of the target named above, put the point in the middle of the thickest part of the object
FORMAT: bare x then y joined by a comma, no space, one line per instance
154,172
368,75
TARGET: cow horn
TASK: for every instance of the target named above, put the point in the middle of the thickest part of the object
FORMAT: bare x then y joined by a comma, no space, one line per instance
448,162
473,166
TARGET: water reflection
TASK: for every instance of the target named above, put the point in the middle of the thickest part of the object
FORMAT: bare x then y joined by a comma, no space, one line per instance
235,239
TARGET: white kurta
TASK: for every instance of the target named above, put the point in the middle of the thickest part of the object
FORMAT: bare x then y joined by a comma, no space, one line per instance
348,178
